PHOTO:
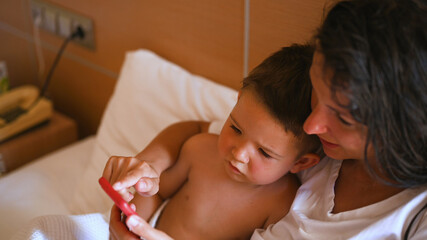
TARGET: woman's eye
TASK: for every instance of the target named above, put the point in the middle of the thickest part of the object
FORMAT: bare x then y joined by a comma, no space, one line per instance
235,129
342,117
264,153
342,120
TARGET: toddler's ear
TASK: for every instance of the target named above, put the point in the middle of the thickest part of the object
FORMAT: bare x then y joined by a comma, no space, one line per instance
305,161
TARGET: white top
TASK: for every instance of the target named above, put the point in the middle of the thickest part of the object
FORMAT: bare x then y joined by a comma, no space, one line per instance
310,216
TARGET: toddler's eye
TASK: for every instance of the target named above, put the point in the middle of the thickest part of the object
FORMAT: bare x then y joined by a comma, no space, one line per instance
235,129
264,153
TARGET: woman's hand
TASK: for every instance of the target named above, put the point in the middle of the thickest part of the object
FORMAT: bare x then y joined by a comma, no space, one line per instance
138,227
125,172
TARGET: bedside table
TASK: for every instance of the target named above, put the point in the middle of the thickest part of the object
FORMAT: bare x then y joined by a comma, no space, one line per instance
36,142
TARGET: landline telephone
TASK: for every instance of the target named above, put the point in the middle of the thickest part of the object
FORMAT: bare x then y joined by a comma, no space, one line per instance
22,108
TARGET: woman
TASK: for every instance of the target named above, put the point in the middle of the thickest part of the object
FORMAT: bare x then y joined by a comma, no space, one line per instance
369,76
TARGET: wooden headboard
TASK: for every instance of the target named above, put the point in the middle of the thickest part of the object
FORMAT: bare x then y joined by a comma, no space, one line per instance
218,39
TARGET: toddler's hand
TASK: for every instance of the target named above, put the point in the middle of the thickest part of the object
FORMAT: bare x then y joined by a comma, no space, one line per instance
125,172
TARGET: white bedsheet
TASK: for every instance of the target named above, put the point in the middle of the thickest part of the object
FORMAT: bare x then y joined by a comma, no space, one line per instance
42,187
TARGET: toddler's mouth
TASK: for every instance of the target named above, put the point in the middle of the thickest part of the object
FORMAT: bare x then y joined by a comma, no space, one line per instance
234,169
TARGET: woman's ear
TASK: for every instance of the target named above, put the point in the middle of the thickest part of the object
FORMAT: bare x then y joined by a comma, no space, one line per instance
307,160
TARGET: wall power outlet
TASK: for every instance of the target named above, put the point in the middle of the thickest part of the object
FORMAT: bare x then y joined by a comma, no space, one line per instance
62,22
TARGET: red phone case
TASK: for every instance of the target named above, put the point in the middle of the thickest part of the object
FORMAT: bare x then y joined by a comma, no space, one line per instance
118,200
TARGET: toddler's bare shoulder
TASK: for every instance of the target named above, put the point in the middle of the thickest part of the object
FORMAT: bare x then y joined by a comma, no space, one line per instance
201,145
282,195
283,189
204,140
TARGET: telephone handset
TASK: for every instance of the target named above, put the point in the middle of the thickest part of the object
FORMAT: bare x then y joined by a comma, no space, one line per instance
22,108
25,107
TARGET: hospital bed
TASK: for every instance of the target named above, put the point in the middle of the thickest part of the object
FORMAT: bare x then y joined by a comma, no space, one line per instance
150,94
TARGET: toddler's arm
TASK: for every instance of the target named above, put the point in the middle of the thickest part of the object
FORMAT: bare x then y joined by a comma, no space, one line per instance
171,181
143,171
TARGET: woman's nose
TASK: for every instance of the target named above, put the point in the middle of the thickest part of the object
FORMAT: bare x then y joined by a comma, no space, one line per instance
240,154
315,122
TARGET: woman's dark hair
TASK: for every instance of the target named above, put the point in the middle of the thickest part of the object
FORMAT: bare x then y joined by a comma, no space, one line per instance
378,51
282,83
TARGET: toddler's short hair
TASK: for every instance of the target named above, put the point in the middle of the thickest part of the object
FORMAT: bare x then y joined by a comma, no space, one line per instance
282,83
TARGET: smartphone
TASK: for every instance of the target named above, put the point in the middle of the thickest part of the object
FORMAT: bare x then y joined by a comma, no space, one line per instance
118,200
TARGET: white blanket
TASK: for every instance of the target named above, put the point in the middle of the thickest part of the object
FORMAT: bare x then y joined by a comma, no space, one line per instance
42,187
77,227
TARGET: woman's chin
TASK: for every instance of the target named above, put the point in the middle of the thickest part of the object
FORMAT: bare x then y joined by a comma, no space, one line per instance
332,153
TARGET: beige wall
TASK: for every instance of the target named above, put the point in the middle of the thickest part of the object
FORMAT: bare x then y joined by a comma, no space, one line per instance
205,37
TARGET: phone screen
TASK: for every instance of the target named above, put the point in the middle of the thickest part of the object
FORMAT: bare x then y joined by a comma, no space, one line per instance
118,200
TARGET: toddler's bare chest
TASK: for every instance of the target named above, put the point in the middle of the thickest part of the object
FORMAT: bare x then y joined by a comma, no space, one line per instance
211,204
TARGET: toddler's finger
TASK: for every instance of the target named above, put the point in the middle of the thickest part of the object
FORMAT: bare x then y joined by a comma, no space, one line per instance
127,196
117,167
129,179
126,182
147,186
108,169
143,185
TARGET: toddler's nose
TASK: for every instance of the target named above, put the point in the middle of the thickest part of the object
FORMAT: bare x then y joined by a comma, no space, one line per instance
240,154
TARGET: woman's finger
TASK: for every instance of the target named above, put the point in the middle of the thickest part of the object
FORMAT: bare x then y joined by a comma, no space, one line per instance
118,230
143,229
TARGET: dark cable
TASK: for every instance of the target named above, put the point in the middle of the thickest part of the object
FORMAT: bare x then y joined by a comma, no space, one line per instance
77,33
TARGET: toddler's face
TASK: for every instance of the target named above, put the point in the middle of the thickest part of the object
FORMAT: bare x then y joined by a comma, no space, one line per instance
254,145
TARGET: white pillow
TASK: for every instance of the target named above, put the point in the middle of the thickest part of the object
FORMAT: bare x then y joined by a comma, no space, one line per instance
151,93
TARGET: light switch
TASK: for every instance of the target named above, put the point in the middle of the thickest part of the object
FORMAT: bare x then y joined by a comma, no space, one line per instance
62,22
64,26
49,20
